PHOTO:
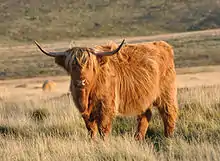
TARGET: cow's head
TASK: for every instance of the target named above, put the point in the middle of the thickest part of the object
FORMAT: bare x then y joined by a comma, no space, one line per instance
81,63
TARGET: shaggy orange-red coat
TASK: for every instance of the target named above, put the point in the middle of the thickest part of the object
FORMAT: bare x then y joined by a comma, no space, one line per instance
128,83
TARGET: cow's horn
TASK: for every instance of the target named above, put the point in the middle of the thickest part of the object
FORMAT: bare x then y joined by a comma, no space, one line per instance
52,54
109,53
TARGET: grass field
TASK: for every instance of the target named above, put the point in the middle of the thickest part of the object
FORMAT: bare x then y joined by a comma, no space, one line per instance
37,125
54,130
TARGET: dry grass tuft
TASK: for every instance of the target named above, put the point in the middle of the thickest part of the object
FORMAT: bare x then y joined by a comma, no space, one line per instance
39,115
12,131
21,86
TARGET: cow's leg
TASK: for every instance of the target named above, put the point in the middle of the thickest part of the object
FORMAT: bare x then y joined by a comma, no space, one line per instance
91,125
167,101
105,120
168,109
90,119
104,127
169,115
143,122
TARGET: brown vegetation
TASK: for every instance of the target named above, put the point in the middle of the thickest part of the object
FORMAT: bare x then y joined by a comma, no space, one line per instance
48,85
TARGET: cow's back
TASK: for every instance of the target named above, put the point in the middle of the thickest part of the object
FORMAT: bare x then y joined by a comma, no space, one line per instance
140,70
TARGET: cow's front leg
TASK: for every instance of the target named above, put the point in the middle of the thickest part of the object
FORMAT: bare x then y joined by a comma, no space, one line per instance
90,119
105,119
91,125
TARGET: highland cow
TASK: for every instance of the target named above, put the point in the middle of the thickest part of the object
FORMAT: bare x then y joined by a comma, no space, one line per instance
125,80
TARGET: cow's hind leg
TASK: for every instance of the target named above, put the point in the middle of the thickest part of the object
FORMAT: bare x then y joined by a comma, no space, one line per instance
168,110
143,123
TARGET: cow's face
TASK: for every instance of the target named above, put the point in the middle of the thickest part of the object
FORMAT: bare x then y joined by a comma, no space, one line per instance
81,63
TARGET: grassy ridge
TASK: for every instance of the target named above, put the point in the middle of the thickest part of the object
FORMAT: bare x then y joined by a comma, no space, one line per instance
59,20
60,134
190,51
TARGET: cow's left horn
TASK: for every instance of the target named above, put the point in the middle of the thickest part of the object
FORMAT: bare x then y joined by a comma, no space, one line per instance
109,53
52,54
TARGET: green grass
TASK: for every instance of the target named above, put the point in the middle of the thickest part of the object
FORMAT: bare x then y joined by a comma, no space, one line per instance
59,20
61,134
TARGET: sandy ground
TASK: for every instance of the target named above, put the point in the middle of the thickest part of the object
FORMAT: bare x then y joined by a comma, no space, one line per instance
10,90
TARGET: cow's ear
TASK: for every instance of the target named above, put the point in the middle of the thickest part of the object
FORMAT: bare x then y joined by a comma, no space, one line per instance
102,60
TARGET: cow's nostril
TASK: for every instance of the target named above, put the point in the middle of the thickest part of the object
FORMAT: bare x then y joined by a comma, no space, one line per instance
80,83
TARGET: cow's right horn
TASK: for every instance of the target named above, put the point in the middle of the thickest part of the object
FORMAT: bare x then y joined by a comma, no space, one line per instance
109,53
52,54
